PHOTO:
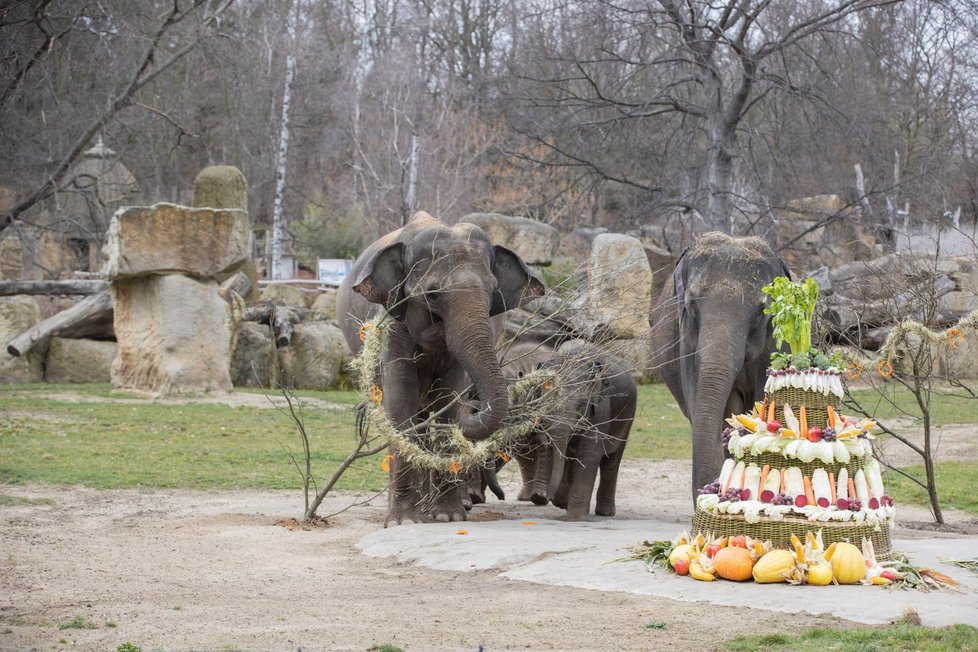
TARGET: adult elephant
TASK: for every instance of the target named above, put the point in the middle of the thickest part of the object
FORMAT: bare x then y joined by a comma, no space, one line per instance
440,284
711,341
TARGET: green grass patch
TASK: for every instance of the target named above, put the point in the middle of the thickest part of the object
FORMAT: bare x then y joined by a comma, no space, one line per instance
956,482
17,501
78,622
660,431
146,443
898,402
902,636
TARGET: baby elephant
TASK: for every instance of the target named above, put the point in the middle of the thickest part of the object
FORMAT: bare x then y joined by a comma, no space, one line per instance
588,429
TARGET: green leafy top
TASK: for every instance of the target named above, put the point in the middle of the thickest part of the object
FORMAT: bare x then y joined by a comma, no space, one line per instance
792,309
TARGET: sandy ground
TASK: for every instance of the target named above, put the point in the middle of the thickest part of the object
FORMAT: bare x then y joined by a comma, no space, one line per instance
182,570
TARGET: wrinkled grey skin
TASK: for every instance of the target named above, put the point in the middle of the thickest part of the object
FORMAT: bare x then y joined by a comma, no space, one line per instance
587,432
516,360
711,341
440,284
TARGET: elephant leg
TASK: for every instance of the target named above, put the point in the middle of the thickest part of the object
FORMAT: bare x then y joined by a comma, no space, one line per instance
604,504
562,494
581,486
473,489
528,470
444,499
404,502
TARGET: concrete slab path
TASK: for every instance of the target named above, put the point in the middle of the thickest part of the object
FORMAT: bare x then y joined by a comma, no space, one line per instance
578,554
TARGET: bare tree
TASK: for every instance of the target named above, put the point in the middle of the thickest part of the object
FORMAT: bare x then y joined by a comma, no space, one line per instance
166,42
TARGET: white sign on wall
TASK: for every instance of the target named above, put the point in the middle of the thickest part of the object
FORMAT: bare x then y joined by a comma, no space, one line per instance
332,271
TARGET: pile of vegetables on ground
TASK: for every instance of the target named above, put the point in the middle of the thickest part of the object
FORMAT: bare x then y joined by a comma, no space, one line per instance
740,558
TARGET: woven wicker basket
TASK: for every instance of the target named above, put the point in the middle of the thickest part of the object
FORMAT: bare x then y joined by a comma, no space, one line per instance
779,532
814,402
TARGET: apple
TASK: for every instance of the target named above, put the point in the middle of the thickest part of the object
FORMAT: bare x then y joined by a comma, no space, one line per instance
681,566
814,434
739,541
773,426
712,549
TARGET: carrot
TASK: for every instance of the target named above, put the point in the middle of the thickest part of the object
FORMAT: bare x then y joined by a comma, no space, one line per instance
830,411
832,486
809,494
852,490
764,473
770,411
727,483
781,488
803,422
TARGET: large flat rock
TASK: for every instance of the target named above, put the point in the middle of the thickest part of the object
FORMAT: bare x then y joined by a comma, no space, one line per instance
167,239
577,555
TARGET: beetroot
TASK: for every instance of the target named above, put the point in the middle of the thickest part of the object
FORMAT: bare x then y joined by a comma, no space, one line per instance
767,496
745,494
874,503
842,503
823,502
800,500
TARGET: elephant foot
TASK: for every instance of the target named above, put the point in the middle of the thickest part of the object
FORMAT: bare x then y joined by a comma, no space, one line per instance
525,494
605,510
447,506
577,515
403,512
539,498
559,500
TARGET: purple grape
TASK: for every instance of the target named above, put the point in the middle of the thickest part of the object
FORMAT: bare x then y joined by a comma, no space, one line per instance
712,488
727,434
829,434
855,505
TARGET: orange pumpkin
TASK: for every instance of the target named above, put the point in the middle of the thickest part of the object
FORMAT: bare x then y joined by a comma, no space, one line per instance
732,563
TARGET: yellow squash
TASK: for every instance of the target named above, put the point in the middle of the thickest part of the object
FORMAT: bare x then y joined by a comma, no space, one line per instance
848,564
773,567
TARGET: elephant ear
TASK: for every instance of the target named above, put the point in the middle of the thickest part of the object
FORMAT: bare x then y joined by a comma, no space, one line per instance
679,275
784,267
382,280
516,283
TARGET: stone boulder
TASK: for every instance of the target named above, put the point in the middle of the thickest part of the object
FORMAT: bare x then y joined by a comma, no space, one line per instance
325,304
315,358
620,285
838,242
281,294
255,361
575,247
79,361
17,314
167,238
221,186
173,336
531,240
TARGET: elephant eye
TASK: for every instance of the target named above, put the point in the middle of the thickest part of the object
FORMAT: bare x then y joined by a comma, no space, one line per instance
432,296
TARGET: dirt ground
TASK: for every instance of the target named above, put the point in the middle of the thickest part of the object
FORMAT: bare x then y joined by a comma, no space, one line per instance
190,570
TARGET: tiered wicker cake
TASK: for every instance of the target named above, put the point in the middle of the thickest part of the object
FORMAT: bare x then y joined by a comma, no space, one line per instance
797,464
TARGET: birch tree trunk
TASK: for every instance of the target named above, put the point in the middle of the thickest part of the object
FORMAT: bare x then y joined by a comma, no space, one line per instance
283,148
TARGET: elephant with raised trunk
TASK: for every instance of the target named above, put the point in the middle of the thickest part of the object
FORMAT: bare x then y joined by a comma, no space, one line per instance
441,285
711,341
587,430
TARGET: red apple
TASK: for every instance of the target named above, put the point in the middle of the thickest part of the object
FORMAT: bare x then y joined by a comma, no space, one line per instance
739,541
815,434
681,566
773,426
712,549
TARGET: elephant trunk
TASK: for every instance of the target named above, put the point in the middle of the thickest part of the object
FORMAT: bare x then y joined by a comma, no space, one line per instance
472,342
718,370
